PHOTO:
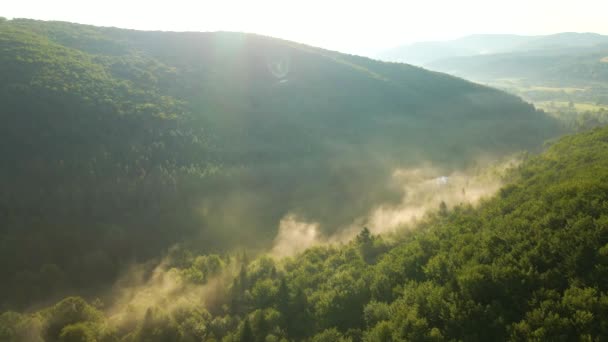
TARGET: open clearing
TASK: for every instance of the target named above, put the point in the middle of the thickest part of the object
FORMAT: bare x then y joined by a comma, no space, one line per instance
567,90
579,106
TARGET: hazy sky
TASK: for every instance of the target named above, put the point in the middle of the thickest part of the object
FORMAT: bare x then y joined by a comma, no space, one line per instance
349,26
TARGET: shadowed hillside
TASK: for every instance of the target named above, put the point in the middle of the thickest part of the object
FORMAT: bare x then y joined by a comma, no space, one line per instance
530,263
116,143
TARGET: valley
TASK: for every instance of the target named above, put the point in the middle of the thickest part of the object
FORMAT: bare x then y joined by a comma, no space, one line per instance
228,186
547,71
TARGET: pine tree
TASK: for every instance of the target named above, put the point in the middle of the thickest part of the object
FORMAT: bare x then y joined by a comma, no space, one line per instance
246,334
283,301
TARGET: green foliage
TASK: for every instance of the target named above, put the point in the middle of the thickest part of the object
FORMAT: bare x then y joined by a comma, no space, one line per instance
530,263
156,326
110,135
117,144
73,314
20,328
376,312
330,335
200,269
246,333
78,332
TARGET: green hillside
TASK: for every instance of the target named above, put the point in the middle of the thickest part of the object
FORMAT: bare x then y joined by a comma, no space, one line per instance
570,84
563,74
116,144
573,66
538,68
482,45
530,264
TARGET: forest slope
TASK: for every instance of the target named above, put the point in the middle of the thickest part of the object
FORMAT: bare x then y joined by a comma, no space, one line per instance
116,144
530,263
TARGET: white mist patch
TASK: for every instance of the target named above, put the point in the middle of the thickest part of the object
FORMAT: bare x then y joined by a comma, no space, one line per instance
135,293
294,236
443,180
165,288
424,189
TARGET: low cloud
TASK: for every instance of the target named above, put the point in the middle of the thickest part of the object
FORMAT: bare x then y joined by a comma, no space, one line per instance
164,287
295,236
423,190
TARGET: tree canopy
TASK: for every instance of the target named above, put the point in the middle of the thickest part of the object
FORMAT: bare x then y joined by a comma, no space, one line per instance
530,263
116,144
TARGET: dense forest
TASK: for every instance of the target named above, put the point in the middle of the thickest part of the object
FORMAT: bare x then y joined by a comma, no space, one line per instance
530,263
117,144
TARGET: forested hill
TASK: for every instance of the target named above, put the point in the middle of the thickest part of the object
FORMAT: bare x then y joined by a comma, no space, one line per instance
530,264
115,144
576,66
479,45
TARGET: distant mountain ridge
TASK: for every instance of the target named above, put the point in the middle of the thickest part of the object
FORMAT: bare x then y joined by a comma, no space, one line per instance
423,53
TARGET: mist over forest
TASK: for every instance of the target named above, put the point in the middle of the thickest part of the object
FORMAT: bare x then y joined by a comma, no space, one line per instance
223,186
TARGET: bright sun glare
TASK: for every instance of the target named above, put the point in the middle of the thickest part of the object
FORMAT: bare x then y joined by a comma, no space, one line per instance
349,26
